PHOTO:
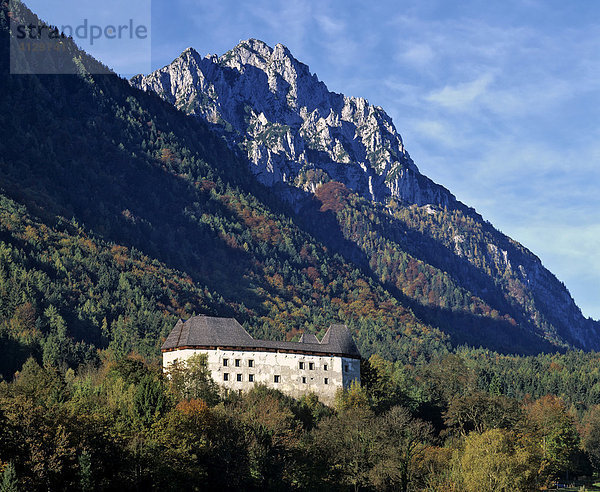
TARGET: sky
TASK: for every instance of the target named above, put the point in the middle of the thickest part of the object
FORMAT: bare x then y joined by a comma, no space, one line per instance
499,101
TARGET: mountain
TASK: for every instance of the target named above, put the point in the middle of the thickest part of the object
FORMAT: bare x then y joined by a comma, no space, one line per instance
119,214
292,129
326,152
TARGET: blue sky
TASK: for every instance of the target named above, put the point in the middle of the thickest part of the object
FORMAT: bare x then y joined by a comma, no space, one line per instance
496,100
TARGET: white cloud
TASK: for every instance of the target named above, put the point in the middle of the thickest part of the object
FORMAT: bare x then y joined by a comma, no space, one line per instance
417,55
439,132
339,43
329,25
461,96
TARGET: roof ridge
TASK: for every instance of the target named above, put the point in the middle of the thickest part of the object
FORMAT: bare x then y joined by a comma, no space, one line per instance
180,329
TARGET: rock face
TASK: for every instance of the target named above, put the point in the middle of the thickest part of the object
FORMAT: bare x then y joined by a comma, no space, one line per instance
291,127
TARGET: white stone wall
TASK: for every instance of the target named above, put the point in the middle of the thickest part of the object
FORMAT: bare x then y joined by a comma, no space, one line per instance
322,375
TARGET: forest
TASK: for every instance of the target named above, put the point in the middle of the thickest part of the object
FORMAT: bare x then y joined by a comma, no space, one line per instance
119,215
449,424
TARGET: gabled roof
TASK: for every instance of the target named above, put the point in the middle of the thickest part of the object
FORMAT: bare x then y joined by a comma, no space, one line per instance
308,338
206,331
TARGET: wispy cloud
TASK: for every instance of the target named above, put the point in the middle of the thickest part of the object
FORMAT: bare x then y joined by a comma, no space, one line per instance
439,132
330,25
415,55
462,95
337,39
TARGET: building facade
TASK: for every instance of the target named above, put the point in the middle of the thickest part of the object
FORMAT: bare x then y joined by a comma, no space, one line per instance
237,361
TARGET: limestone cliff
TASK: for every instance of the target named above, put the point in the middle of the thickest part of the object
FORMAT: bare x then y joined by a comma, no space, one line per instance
290,125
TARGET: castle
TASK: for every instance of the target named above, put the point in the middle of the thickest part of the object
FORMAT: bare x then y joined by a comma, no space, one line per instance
237,361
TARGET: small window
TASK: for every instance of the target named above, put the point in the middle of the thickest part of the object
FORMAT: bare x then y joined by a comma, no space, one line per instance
251,363
311,366
238,362
251,378
303,379
225,362
301,365
346,368
239,377
225,376
276,378
326,380
325,367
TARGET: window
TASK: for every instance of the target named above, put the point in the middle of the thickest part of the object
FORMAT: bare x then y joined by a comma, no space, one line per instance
311,366
325,367
251,378
301,365
225,376
238,362
239,377
326,380
251,363
276,378
225,362
346,368
303,379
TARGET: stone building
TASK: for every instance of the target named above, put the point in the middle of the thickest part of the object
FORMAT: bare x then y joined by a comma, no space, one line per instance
237,361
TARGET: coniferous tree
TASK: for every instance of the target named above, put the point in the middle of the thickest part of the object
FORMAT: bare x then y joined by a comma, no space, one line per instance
9,481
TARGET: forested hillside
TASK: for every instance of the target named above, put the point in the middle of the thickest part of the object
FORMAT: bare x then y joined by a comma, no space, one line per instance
126,214
105,163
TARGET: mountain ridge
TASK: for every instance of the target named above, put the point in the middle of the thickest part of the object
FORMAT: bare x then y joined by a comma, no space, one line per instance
298,136
241,93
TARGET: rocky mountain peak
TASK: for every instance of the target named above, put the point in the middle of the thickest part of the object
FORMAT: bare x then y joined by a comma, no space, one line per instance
249,52
190,51
260,55
290,125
